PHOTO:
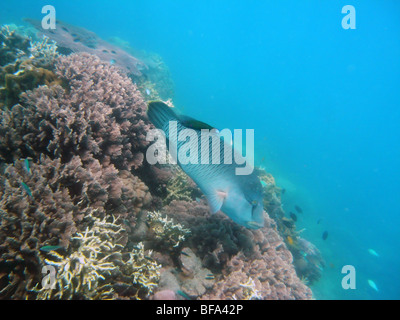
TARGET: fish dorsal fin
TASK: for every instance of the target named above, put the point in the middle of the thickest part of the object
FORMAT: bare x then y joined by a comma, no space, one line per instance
192,123
216,200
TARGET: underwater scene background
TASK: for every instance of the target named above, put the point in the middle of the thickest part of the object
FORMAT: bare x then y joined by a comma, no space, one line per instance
75,189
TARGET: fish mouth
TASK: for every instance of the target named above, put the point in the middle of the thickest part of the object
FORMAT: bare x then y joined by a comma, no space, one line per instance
254,225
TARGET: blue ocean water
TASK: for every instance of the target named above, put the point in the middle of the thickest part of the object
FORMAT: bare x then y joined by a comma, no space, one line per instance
324,103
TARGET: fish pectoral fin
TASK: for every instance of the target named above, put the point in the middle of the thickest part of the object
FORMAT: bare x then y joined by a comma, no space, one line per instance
216,200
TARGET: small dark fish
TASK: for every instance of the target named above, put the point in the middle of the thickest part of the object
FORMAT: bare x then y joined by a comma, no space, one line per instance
26,188
293,216
185,254
319,221
325,235
49,248
288,223
283,191
210,278
298,209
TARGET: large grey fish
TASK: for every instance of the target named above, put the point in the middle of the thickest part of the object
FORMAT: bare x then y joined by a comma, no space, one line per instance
238,196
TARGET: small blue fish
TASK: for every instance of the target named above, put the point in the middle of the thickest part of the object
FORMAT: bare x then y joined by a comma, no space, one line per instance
263,183
148,92
27,166
373,252
373,285
49,248
27,189
112,61
183,294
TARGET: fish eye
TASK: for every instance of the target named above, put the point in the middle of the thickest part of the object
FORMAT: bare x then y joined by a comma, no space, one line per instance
254,203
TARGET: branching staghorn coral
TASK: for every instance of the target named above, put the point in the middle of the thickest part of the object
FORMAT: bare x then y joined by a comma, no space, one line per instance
44,52
249,290
179,187
173,234
89,271
143,269
81,272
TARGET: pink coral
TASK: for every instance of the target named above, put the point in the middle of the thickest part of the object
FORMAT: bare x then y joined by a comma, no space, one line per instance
240,254
83,140
165,295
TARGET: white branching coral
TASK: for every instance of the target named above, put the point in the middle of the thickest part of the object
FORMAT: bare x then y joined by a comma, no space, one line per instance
249,290
81,271
143,269
165,229
89,270
44,51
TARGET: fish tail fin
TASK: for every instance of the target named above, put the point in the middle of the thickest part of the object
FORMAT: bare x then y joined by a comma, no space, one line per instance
160,113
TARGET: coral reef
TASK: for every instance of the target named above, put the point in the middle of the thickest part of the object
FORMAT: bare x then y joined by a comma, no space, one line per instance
195,279
75,39
24,64
63,133
91,270
307,259
101,114
76,193
155,81
44,52
169,233
270,268
81,271
180,187
13,44
234,254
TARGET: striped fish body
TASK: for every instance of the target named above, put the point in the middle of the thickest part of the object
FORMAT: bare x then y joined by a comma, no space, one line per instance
238,196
